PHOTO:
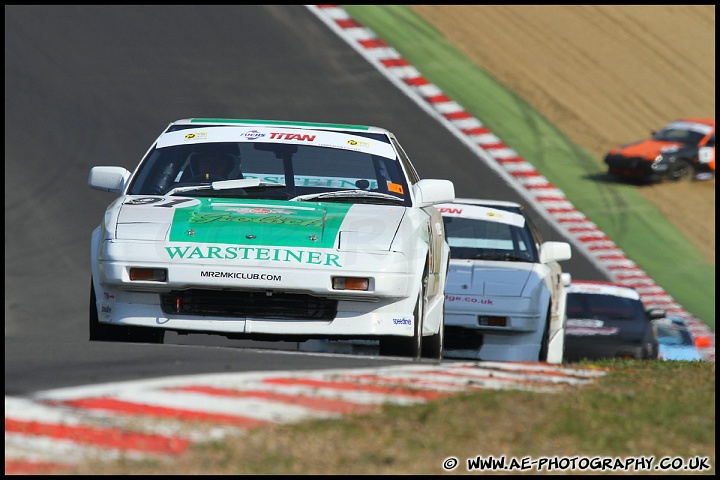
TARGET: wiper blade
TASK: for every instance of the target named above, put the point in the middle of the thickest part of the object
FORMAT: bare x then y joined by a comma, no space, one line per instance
226,185
188,188
505,257
347,194
259,185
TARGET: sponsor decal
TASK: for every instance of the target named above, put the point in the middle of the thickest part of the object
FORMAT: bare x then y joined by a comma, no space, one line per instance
402,321
600,289
292,136
477,212
143,200
307,181
589,331
481,301
706,154
457,211
260,216
585,327
582,322
356,143
242,276
259,222
242,253
196,136
252,135
226,133
395,188
261,211
159,201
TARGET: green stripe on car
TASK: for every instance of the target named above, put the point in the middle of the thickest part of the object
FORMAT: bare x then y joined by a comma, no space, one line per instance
259,222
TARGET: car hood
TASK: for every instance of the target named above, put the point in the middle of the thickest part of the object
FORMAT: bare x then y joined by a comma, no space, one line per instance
647,149
503,279
678,352
255,222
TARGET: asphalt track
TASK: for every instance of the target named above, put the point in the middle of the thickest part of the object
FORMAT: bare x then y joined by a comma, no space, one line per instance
94,85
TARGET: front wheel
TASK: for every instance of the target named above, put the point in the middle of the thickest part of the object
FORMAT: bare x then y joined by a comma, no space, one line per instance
102,332
680,171
545,344
432,346
649,351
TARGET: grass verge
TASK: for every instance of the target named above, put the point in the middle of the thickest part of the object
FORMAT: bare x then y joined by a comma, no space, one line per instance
633,224
639,409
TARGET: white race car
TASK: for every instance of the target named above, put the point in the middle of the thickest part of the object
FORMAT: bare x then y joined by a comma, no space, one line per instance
271,230
505,299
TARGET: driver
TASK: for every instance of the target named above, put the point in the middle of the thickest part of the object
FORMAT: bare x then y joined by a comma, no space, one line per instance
212,167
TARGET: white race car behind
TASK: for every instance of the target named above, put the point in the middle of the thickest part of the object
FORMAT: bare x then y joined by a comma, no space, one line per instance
271,230
505,299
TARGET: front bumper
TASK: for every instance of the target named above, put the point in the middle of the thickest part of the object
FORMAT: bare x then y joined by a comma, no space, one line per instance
593,348
352,319
475,312
468,335
634,167
262,298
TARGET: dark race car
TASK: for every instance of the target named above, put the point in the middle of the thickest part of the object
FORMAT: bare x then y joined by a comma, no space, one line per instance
682,150
608,320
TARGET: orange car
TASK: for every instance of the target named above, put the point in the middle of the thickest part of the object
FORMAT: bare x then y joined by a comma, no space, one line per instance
683,149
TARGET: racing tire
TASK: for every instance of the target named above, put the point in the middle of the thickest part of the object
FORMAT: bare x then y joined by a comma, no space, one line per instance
644,353
102,332
545,343
432,346
395,346
680,171
649,351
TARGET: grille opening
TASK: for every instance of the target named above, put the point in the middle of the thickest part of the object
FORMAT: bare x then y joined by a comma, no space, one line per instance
234,303
462,338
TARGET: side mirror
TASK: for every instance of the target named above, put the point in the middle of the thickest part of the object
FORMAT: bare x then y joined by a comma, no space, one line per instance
655,313
108,179
555,252
432,191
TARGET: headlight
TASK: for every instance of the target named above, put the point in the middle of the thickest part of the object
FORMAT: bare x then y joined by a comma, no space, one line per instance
350,283
148,274
659,165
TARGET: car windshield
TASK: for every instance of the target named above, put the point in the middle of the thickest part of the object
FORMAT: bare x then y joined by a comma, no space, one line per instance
476,239
682,132
284,171
603,307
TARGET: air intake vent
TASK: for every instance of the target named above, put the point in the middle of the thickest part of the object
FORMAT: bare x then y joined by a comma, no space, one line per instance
229,303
